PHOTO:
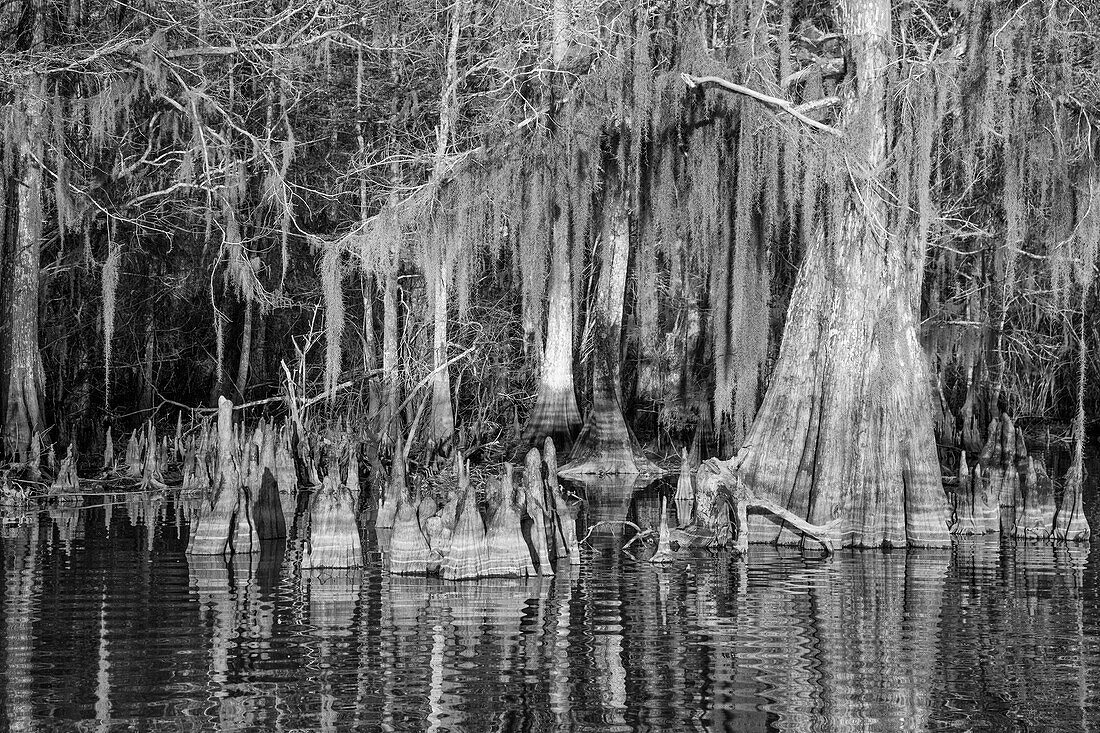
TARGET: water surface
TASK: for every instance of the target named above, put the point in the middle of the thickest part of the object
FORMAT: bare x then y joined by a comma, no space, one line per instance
108,625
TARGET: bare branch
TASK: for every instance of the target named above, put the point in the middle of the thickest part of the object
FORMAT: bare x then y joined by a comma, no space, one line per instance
781,104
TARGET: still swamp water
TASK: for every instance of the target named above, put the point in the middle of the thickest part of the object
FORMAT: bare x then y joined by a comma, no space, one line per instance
108,625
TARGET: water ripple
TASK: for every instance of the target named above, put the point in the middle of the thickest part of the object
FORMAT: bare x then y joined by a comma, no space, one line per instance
104,634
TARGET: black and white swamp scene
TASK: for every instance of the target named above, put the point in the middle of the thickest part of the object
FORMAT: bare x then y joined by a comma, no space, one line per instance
549,365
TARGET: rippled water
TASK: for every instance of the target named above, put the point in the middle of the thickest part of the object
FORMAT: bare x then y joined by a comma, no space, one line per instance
108,626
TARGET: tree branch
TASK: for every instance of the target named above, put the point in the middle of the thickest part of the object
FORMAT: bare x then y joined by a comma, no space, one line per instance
831,67
781,104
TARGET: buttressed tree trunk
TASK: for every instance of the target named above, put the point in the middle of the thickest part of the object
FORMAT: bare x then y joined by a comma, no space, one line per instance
606,444
845,429
440,257
555,414
24,378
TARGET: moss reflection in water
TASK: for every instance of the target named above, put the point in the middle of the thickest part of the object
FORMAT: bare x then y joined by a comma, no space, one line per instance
113,626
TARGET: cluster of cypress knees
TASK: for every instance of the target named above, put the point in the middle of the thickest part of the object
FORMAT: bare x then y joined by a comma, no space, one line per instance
1010,491
243,489
246,484
240,488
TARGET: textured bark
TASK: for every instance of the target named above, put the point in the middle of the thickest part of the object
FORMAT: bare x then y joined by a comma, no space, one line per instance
244,364
145,404
606,444
23,375
1071,524
267,505
468,555
409,551
508,552
389,421
439,269
1036,516
333,535
845,430
555,414
395,488
535,499
443,417
225,525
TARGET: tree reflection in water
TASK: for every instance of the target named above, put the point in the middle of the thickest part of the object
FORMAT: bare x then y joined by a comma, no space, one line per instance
121,629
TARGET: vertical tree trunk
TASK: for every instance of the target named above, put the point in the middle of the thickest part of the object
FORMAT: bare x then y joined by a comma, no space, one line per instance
24,378
606,444
845,430
245,363
555,414
370,345
390,420
438,269
146,399
366,282
443,417
257,364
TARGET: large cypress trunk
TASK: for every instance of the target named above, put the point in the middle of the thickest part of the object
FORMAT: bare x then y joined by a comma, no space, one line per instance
441,255
845,430
606,444
555,414
23,375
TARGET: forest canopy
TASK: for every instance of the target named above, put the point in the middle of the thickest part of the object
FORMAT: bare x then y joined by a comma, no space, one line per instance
633,227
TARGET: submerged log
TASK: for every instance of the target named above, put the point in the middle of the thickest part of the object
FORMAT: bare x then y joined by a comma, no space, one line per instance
536,510
468,555
333,540
508,553
721,494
